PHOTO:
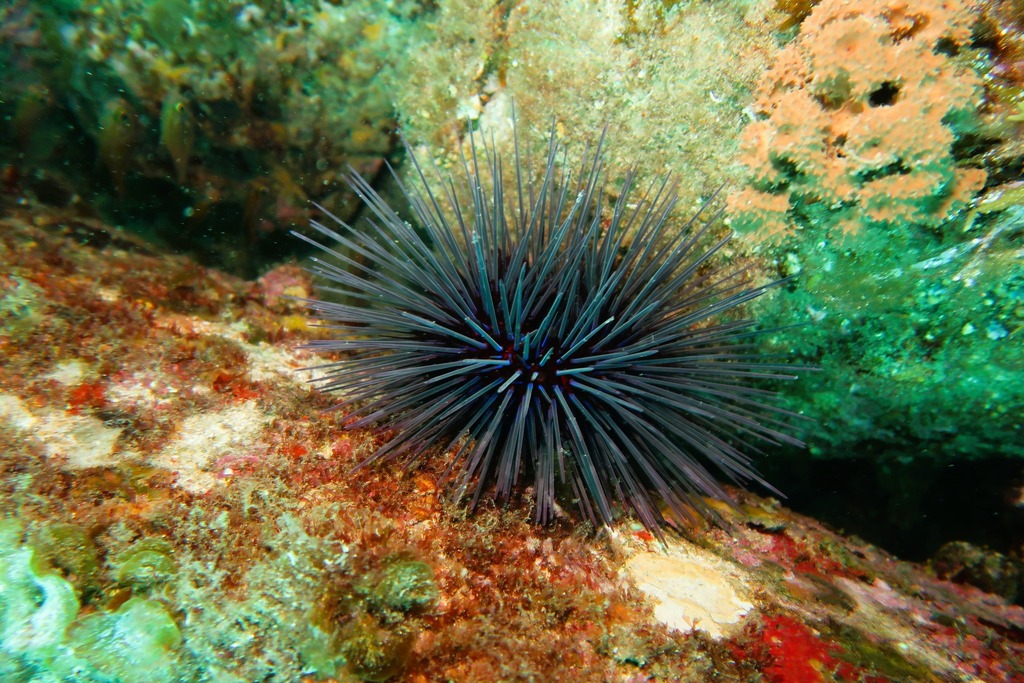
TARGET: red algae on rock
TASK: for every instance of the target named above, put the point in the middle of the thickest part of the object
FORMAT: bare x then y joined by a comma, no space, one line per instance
170,463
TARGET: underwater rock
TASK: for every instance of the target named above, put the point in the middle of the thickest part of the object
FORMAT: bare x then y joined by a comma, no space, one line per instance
691,589
990,571
219,537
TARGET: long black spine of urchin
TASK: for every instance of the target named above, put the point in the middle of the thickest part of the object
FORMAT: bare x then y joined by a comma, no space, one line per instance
540,333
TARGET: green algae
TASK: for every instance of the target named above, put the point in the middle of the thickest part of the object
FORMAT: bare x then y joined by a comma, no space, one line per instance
313,605
404,586
373,652
148,563
70,549
22,306
44,637
916,348
135,644
36,608
884,658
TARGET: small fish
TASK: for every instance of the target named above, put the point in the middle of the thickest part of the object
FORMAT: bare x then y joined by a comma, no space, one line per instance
118,134
177,132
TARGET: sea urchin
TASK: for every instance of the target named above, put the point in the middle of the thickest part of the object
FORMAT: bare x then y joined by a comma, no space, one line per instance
540,334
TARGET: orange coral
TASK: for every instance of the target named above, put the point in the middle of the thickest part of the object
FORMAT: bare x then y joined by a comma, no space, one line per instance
857,119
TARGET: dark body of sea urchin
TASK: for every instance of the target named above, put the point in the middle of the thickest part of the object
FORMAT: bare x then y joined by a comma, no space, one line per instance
538,333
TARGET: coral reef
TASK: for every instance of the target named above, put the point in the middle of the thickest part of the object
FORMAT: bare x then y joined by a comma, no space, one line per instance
991,571
267,556
1000,29
860,114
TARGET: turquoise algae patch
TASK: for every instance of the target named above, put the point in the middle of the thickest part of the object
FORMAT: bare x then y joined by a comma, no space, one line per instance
43,639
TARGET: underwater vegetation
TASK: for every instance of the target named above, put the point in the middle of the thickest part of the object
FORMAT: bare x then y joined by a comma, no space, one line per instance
194,119
247,111
534,331
44,637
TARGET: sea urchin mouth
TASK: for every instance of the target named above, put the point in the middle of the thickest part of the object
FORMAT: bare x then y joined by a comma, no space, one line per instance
537,334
